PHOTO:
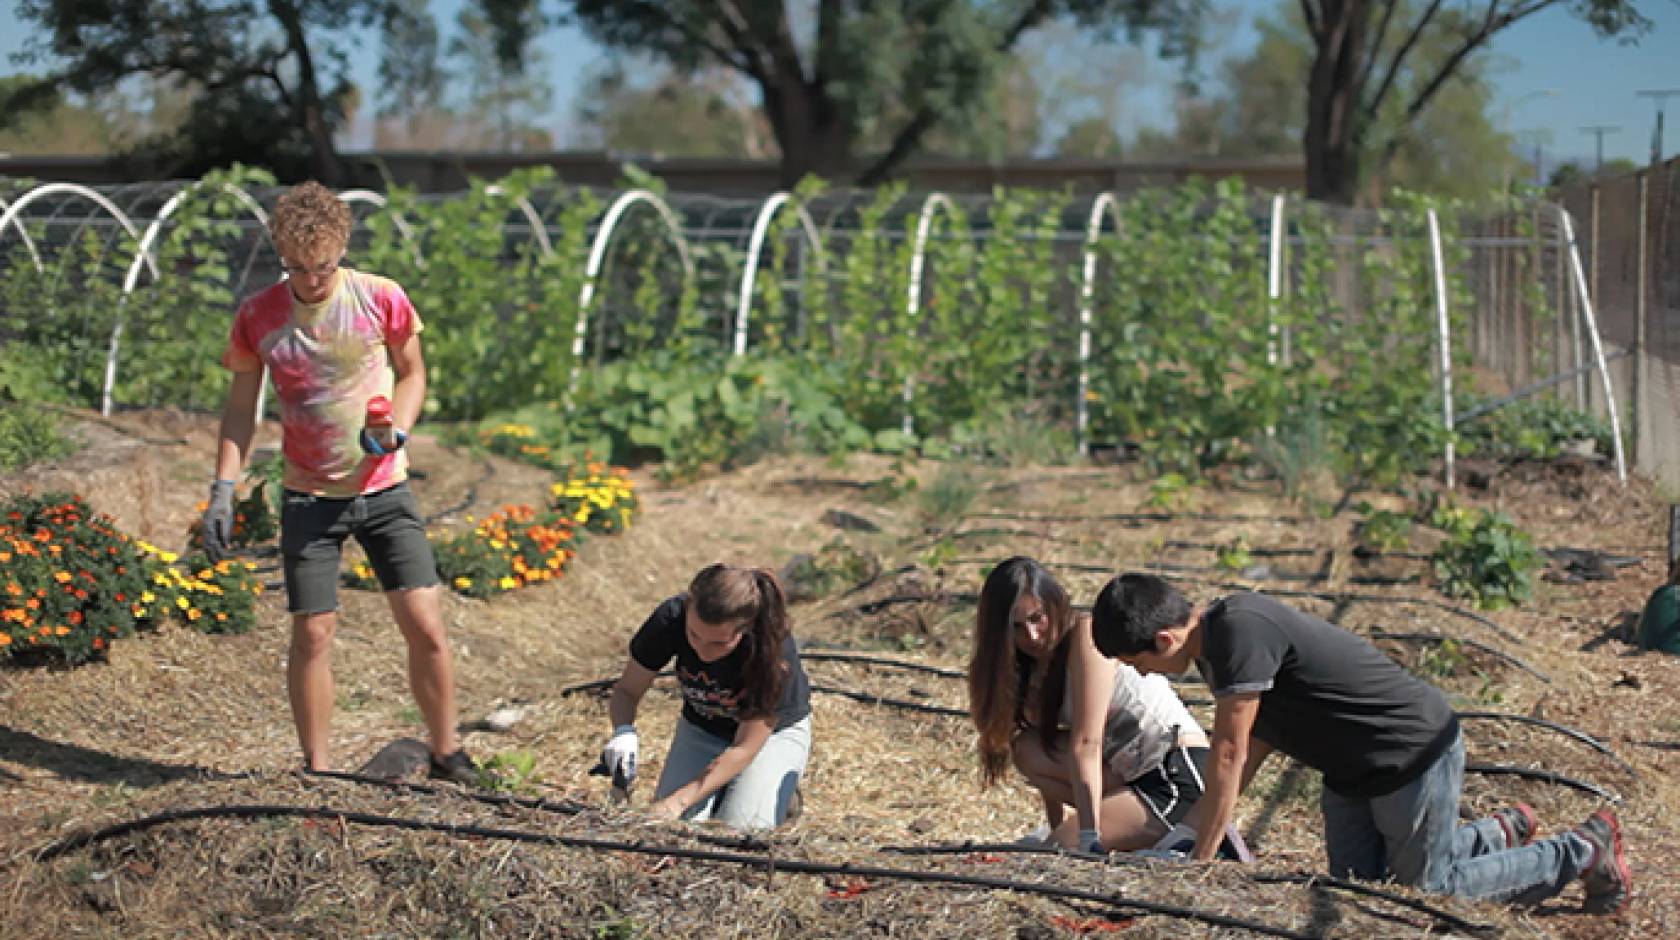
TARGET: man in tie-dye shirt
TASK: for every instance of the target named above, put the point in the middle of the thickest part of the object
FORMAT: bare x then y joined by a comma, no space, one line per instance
333,339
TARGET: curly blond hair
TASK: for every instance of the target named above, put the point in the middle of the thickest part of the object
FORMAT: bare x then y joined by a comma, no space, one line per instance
310,222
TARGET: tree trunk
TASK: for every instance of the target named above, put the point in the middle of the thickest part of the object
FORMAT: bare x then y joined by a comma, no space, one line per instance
1335,126
814,134
324,163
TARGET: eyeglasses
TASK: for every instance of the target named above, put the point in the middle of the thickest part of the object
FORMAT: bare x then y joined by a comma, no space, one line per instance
319,270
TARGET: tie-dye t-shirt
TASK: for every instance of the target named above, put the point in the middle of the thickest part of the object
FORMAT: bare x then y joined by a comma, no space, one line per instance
326,360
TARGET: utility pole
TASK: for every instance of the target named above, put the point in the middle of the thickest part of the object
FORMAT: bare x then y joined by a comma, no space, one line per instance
1660,96
1598,131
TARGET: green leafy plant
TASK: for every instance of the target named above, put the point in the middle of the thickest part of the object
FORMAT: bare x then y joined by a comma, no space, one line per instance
1383,530
1537,428
508,771
29,436
1485,558
1235,556
1171,492
951,493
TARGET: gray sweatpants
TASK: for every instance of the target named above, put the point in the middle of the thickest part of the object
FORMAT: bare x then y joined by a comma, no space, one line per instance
758,796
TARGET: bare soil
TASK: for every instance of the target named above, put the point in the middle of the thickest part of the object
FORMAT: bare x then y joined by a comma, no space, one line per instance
178,721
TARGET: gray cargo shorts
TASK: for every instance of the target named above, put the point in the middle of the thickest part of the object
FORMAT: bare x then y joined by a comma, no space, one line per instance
386,523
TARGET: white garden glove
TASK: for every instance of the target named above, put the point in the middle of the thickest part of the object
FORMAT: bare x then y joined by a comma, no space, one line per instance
1181,839
620,753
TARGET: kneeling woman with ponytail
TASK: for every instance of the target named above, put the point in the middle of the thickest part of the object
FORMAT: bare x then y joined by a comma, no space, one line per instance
745,732
1088,732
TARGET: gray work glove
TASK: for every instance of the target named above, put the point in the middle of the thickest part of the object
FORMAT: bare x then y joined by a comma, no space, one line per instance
218,521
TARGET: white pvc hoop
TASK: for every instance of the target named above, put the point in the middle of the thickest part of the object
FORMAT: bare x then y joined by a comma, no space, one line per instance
913,302
598,254
1087,291
132,279
1274,279
368,196
531,216
1597,345
1443,336
28,243
754,244
11,214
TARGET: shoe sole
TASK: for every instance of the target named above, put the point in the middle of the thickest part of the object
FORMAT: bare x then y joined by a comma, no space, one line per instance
1618,855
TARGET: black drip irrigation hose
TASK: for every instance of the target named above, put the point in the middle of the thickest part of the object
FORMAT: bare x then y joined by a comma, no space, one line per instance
1353,887
1139,517
1478,645
819,656
1575,733
1446,918
769,864
466,501
1544,776
869,698
876,606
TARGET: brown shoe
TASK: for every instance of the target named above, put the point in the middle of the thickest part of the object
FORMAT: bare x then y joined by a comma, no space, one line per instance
1607,878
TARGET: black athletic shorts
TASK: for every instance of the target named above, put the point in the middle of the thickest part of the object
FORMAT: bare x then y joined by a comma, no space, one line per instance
1172,788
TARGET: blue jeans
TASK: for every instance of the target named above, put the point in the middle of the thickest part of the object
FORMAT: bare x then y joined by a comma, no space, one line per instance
1413,836
758,796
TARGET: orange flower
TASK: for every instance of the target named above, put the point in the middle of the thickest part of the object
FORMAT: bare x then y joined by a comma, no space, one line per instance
75,618
32,604
13,589
62,577
61,631
5,639
98,643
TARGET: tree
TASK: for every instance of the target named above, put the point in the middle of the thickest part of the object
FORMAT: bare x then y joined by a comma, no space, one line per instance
1092,137
1367,86
644,108
269,78
834,74
51,124
500,82
1259,109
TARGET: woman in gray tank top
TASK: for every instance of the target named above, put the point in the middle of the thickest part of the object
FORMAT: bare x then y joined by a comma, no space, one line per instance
1088,732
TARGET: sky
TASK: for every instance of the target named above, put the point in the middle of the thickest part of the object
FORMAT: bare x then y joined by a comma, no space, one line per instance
1552,75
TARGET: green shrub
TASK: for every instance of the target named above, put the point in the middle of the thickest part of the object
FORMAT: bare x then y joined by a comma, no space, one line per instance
29,436
1485,558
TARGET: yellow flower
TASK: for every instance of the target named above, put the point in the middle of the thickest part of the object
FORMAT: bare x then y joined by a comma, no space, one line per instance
146,597
168,557
463,583
182,603
508,584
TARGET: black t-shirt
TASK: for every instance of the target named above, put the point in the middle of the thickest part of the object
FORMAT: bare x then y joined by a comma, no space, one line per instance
711,691
1328,698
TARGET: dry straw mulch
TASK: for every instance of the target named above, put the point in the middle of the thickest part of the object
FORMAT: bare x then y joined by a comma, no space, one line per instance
178,720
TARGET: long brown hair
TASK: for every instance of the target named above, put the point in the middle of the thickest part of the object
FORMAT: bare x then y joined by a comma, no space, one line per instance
999,673
721,594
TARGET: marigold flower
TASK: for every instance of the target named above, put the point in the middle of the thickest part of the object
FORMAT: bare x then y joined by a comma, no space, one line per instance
462,583
5,639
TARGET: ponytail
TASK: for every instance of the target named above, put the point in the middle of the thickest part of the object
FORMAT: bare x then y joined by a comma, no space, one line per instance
720,594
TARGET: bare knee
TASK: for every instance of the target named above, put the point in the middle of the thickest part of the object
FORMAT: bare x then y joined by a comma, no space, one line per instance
312,634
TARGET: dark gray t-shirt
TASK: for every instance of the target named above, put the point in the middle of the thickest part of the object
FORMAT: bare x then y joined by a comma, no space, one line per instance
1328,698
712,691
